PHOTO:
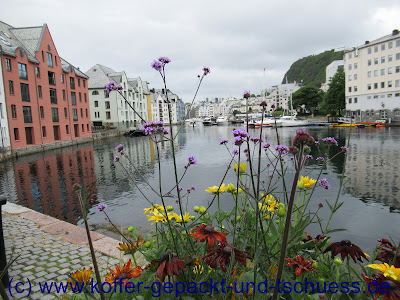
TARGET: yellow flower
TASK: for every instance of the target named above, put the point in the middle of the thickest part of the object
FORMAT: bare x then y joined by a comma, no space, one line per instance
388,271
271,204
215,189
156,217
242,168
186,217
81,276
305,182
230,188
125,247
154,208
198,269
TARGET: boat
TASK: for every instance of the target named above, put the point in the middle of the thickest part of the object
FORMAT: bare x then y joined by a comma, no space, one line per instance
265,123
222,121
207,121
290,121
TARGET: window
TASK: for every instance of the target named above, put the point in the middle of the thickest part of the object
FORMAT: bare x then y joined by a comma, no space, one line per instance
355,100
54,114
382,59
44,131
390,70
83,128
75,114
84,83
84,95
350,77
87,127
42,56
25,92
26,110
86,112
375,85
13,111
16,134
52,78
349,55
397,68
67,129
369,74
81,113
108,115
397,56
73,98
22,71
49,60
8,64
390,84
106,95
37,72
349,90
390,45
369,51
375,49
64,95
107,103
53,96
96,103
382,47
398,43
369,62
355,66
79,82
65,113
95,93
55,59
382,85
376,96
382,71
355,88
40,91
41,112
72,83
397,83
350,67
375,73
62,78
376,61
390,58
350,100
80,97
397,95
355,76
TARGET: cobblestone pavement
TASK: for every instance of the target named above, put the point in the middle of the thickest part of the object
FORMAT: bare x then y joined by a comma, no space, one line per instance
49,250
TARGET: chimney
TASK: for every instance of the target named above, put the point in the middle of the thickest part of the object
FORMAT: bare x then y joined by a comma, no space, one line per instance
395,32
366,42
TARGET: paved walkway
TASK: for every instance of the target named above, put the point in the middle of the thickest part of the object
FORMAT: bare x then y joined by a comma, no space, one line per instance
50,249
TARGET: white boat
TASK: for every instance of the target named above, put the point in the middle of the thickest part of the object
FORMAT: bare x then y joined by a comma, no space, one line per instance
207,122
265,123
222,121
290,121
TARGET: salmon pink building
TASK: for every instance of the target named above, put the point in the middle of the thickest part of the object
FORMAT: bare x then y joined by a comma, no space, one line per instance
46,97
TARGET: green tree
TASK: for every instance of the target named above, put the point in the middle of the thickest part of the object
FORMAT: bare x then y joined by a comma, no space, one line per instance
335,98
309,96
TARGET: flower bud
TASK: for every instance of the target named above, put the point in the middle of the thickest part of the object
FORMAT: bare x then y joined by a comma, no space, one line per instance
131,229
281,205
202,209
196,209
338,261
169,208
237,218
147,244
192,218
301,185
281,212
314,265
307,150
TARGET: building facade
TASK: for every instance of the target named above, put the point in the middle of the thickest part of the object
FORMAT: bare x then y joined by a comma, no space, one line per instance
159,106
4,132
112,110
330,71
373,80
46,97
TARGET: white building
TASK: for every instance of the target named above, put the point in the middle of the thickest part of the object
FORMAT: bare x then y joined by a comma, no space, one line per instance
159,106
4,133
112,109
331,70
373,79
280,95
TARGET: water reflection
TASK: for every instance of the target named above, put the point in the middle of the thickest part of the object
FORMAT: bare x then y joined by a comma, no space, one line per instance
44,181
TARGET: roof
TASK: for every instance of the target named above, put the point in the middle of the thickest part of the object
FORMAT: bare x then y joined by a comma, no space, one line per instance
98,76
394,35
66,67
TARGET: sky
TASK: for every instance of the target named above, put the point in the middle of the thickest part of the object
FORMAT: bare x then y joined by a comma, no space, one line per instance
236,39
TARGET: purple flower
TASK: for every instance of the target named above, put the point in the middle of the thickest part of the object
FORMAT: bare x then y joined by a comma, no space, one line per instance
206,70
166,131
309,156
320,158
255,139
292,158
164,60
330,140
116,159
317,143
246,94
266,145
152,127
303,137
325,184
120,147
263,104
110,86
101,207
176,200
281,149
240,132
239,140
223,142
193,188
180,188
122,152
156,65
235,152
246,150
188,191
192,160
344,149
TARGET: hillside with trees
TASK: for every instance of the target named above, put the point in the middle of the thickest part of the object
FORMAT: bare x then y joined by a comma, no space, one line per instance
312,69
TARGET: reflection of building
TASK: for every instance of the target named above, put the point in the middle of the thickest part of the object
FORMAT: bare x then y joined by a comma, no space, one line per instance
45,183
373,79
373,165
46,96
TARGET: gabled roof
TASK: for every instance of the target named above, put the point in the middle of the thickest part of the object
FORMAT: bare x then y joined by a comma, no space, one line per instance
98,76
394,35
30,37
66,68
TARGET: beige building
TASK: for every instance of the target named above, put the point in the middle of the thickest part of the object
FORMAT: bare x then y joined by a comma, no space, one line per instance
373,79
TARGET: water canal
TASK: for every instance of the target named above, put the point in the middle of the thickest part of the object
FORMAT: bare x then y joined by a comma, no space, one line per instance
44,181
